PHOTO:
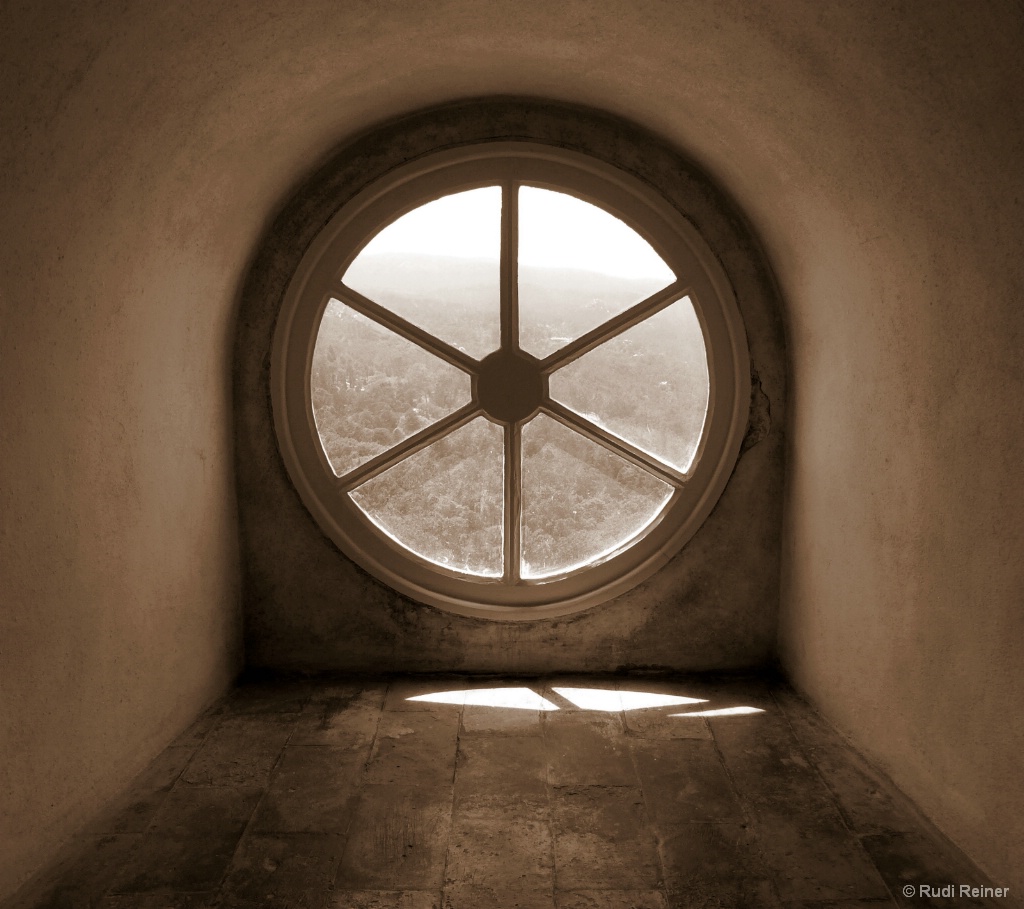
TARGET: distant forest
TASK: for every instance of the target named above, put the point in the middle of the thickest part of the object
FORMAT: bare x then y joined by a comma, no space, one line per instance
372,388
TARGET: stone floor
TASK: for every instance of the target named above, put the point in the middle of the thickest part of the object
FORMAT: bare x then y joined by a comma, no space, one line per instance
573,793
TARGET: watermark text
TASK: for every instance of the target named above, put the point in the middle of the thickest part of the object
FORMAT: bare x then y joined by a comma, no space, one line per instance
954,891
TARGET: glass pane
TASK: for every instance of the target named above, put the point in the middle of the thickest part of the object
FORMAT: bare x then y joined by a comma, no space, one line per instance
581,502
648,385
439,267
578,267
372,388
445,503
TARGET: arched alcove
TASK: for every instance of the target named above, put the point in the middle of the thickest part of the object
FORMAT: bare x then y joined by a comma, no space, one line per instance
712,606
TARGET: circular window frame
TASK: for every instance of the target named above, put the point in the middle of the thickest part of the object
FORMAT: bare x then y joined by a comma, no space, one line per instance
491,163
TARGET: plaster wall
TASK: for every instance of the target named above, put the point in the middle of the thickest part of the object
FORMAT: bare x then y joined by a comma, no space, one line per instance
903,575
876,150
119,599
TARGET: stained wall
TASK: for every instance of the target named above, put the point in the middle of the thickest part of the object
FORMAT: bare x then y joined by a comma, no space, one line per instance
903,575
119,581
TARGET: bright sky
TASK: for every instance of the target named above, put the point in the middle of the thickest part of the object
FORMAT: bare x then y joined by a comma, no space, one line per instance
555,229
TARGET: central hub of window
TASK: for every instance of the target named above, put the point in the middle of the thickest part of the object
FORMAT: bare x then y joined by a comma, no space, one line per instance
510,385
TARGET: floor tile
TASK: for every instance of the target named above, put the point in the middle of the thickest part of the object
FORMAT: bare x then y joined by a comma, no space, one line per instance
195,734
502,850
715,863
501,769
313,790
267,697
684,781
818,860
347,721
401,690
464,896
81,875
385,899
343,793
354,691
160,900
239,751
842,904
769,768
611,899
662,721
397,840
587,750
602,840
216,811
868,801
583,695
744,893
176,864
478,719
282,872
661,724
414,748
910,860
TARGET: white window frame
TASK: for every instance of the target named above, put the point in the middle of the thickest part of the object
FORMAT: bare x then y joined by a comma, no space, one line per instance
510,164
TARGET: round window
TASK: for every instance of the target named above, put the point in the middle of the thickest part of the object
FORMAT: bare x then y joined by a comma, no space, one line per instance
509,380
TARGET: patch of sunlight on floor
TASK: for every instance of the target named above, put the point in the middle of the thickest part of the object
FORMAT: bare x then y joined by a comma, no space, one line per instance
608,700
613,701
634,700
723,711
517,698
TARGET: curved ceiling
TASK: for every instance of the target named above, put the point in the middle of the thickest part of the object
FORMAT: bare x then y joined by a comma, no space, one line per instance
205,115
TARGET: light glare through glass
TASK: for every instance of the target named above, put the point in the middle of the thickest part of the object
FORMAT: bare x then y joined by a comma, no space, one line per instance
578,267
438,267
557,230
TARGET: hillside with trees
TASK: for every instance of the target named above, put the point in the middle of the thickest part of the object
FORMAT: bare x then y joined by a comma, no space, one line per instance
372,388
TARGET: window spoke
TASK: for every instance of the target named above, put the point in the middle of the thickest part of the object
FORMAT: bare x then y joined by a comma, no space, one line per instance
513,500
613,443
406,329
614,326
510,266
408,446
